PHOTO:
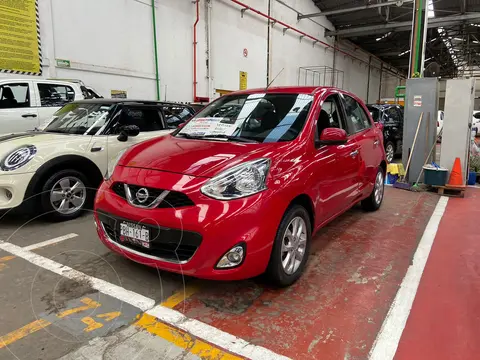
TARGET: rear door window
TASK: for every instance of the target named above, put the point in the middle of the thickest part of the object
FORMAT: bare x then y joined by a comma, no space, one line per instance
15,95
54,95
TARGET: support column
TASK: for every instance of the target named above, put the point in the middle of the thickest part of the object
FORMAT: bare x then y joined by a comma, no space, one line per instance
368,81
418,38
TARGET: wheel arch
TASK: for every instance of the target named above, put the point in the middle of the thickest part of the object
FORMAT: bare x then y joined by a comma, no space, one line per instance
305,201
74,162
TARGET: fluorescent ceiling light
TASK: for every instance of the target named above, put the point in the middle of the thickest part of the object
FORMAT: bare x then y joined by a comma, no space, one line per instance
403,53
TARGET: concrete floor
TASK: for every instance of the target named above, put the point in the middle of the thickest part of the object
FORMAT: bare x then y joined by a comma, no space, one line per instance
334,312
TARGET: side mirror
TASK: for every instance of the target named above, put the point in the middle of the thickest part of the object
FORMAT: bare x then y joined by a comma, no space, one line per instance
126,131
181,125
477,115
332,136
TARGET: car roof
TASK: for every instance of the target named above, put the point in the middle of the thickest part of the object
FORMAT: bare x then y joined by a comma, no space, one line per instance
47,81
383,106
129,101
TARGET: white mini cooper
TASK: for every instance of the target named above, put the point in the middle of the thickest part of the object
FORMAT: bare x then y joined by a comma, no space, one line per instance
55,171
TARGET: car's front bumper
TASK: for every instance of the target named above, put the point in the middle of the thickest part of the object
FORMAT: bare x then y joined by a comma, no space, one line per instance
215,226
13,189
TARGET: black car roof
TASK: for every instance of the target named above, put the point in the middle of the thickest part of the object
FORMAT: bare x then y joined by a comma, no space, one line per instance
130,101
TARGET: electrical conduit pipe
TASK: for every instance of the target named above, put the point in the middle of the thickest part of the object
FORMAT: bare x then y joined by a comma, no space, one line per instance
155,48
245,6
195,97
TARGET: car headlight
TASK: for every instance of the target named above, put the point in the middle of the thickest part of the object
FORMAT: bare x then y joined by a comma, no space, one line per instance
18,158
112,164
240,181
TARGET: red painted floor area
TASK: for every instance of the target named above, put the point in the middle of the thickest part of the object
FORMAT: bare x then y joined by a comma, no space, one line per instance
444,322
336,309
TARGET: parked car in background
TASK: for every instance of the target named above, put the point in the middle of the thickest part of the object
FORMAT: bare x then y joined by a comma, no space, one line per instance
87,91
391,117
476,122
26,104
58,169
242,186
440,118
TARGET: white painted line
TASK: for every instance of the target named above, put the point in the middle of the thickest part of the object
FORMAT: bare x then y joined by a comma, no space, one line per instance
213,335
50,242
387,340
105,287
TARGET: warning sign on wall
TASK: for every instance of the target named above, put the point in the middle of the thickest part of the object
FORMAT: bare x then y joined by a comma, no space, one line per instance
118,94
417,101
20,48
243,80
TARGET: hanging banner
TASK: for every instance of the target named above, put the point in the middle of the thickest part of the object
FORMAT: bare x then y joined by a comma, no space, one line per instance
20,47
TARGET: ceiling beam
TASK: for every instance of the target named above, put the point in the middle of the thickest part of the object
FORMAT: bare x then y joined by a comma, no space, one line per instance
403,26
352,9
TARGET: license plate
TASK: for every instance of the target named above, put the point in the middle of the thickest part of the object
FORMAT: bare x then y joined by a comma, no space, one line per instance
135,234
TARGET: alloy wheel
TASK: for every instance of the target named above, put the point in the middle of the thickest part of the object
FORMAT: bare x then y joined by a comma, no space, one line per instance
68,195
379,188
294,245
390,152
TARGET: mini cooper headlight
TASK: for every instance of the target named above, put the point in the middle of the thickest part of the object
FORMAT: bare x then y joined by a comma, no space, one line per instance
240,181
113,163
17,158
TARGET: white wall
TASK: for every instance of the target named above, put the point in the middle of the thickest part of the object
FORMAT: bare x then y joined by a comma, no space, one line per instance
110,46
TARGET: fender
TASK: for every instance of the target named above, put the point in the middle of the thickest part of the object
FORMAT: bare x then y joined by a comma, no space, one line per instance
78,162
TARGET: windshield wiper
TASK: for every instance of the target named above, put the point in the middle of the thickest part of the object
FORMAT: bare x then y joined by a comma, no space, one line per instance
230,138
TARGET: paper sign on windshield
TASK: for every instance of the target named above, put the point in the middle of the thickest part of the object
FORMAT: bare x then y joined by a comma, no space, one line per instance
210,126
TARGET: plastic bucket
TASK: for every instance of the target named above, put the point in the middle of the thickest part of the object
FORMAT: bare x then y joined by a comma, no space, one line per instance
435,176
472,178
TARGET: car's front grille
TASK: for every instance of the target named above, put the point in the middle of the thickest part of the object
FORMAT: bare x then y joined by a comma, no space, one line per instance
171,245
174,199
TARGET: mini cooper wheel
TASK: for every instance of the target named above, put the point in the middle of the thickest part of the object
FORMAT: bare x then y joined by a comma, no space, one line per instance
374,201
291,247
390,151
65,195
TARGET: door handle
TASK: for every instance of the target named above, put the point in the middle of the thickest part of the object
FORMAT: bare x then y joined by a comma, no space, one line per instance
354,153
96,149
29,115
376,142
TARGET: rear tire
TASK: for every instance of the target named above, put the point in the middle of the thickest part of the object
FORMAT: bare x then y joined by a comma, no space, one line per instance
374,201
287,263
65,195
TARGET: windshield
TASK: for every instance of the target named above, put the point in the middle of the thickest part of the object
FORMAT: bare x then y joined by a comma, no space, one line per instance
80,119
261,118
375,112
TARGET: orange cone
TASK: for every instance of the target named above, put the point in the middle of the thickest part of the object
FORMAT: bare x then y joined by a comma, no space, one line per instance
456,179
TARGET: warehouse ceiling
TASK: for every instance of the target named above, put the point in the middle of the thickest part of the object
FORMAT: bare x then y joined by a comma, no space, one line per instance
383,28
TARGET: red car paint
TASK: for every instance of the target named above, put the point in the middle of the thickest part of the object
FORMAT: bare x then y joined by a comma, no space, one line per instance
329,177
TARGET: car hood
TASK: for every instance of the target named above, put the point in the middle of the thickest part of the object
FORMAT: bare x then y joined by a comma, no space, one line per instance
204,158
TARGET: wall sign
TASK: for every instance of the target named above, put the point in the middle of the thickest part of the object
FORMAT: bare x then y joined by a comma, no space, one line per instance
417,101
20,37
63,63
245,52
118,94
243,80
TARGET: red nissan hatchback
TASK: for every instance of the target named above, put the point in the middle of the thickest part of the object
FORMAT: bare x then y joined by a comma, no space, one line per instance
239,190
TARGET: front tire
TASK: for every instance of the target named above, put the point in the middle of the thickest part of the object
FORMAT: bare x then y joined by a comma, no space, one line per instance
390,151
374,201
291,247
65,195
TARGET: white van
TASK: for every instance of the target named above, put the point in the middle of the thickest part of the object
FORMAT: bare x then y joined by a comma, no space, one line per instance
27,104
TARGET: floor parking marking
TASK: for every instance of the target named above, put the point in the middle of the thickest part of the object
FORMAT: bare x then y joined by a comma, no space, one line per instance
387,340
89,304
50,242
139,301
218,338
214,336
182,339
22,332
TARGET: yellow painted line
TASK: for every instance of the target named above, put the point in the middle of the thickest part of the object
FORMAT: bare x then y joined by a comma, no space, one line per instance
109,316
178,337
89,304
183,340
22,332
179,297
91,324
7,258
